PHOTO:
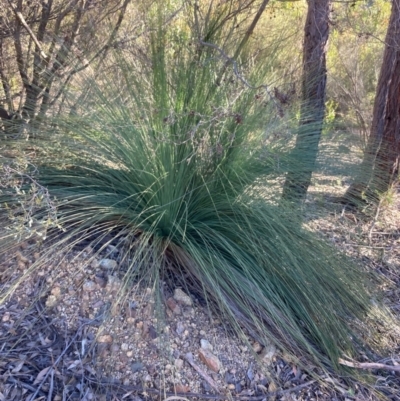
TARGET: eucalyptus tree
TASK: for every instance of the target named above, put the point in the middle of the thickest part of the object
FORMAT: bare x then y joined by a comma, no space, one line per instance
316,34
379,170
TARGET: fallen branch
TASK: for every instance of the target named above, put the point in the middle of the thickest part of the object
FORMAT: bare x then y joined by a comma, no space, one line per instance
369,365
200,371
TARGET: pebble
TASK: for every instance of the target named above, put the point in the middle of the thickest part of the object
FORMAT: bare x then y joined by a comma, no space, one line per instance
173,306
229,378
56,291
6,317
124,347
105,339
210,360
180,328
113,284
136,367
95,264
205,344
178,363
268,354
89,286
182,297
257,347
108,264
115,348
180,388
51,301
207,388
152,332
100,281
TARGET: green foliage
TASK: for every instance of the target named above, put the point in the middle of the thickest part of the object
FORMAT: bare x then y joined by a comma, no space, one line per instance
175,168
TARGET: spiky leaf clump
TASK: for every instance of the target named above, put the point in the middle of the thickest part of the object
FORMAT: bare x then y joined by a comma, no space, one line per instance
177,168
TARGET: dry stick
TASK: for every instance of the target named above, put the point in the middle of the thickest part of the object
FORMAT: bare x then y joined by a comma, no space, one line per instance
245,39
204,375
21,19
369,365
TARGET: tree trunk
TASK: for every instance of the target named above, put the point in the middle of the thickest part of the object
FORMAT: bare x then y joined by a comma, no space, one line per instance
312,112
380,167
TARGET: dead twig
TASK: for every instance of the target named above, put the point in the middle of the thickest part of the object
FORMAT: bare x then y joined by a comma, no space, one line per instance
369,365
204,375
21,19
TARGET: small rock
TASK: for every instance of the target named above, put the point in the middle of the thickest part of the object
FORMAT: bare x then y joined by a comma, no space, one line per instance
95,264
105,339
129,354
108,264
152,332
178,363
115,348
6,317
250,373
180,388
207,388
209,359
124,347
231,387
136,367
130,312
205,344
182,298
180,328
229,378
173,306
51,301
100,280
147,378
56,291
98,304
272,388
113,284
21,257
148,310
257,347
89,286
268,354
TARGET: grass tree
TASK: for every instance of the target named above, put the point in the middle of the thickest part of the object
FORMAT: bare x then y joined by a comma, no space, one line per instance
175,170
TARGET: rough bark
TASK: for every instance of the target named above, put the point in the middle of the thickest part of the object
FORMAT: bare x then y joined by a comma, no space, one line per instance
380,167
316,34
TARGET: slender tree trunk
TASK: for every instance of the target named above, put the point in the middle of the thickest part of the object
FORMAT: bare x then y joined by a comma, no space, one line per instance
380,167
312,112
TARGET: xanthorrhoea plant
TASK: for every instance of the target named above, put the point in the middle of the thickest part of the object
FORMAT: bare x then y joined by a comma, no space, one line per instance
175,168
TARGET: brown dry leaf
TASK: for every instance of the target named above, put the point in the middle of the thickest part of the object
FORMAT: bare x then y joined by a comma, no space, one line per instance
18,367
41,375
